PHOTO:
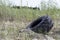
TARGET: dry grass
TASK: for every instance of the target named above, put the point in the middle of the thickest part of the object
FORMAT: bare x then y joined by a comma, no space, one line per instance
10,31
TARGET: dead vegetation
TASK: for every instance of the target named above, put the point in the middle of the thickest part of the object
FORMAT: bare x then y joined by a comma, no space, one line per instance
10,31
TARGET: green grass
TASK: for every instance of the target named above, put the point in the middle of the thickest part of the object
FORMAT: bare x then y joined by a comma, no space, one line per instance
27,14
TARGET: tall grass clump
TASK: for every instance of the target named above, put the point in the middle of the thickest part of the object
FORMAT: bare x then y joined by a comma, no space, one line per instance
27,14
